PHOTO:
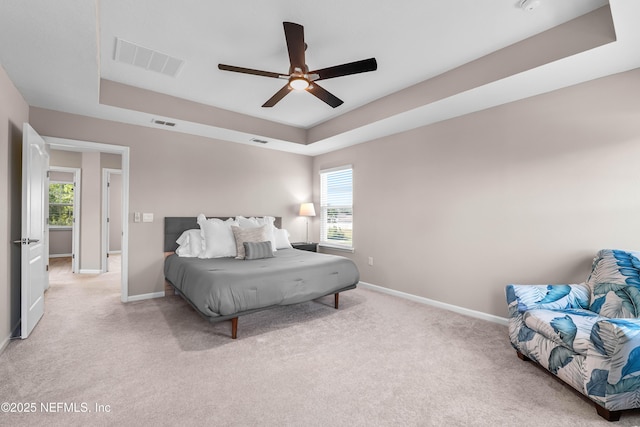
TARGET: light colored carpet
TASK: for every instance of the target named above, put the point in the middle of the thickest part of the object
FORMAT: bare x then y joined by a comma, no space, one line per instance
378,360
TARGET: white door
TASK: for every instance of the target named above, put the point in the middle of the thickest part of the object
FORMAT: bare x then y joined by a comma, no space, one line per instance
35,279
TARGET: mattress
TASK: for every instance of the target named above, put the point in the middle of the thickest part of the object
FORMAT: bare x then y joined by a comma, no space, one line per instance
223,287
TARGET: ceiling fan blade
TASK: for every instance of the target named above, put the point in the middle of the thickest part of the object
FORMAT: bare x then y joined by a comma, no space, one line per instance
294,33
278,96
346,69
250,71
324,95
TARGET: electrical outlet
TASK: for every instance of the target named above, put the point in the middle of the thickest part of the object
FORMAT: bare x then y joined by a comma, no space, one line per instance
370,260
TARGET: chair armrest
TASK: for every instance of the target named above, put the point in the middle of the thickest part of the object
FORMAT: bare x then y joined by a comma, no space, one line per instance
613,362
521,298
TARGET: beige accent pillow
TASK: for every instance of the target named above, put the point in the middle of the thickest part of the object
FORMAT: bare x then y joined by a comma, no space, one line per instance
258,234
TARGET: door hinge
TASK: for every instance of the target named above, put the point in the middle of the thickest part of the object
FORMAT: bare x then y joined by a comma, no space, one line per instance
47,267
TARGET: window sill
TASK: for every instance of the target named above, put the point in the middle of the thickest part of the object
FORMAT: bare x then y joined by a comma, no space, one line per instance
336,247
60,228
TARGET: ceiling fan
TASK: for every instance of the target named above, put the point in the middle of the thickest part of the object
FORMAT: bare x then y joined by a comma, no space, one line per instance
299,77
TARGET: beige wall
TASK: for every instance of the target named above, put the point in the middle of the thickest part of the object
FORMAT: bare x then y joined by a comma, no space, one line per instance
91,165
14,111
90,213
173,174
522,193
115,213
525,192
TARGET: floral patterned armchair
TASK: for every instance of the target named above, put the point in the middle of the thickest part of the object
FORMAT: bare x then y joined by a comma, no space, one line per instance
586,334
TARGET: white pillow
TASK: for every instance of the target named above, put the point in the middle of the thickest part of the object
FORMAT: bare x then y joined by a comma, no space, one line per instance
190,243
218,237
251,234
258,222
282,238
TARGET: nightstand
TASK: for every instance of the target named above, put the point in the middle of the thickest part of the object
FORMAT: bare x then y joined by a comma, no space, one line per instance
304,246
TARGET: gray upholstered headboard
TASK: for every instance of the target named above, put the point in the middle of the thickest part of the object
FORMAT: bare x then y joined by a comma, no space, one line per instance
174,226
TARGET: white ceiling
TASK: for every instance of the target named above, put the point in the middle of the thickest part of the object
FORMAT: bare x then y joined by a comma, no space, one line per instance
56,52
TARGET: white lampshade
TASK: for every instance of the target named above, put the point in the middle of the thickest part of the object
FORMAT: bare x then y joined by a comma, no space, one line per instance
307,209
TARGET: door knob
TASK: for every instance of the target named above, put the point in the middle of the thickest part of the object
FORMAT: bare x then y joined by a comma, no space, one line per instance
25,241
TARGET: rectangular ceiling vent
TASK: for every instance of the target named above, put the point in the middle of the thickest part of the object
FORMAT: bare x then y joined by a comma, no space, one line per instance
133,54
163,122
259,141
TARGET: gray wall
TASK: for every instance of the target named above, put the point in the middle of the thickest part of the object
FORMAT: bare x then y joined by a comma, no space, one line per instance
14,111
173,174
526,192
522,193
115,213
91,165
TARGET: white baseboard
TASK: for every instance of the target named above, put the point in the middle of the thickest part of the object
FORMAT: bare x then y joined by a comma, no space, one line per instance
145,296
59,255
7,340
461,310
5,343
86,271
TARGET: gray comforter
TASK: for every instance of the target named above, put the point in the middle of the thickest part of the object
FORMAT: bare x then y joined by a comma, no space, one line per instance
226,286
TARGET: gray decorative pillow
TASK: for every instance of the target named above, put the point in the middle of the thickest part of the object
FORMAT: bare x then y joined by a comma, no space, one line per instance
242,235
258,250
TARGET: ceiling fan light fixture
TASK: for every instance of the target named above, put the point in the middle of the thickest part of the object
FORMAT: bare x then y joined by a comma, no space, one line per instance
299,83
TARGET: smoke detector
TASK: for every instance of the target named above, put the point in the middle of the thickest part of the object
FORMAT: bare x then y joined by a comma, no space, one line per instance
529,5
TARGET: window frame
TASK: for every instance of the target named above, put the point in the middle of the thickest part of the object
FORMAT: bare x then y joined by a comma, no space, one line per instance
325,205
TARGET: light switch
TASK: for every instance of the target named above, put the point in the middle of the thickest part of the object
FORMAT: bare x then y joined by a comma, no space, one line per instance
147,217
136,217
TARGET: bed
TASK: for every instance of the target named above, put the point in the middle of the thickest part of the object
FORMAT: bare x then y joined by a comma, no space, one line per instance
225,288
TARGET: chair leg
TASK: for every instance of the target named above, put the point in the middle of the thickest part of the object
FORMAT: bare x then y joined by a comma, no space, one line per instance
336,297
607,414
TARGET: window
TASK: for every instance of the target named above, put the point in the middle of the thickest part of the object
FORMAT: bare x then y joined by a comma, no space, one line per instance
336,207
61,204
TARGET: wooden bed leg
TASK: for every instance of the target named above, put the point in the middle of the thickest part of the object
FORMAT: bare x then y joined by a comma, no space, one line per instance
336,297
522,356
607,414
168,289
234,328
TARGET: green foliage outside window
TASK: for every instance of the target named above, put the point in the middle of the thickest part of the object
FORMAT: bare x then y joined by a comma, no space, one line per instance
61,204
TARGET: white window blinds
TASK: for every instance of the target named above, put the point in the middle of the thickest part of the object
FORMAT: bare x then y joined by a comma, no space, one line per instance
336,207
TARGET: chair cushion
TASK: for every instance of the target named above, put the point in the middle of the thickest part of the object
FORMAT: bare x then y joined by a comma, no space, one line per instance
614,284
570,328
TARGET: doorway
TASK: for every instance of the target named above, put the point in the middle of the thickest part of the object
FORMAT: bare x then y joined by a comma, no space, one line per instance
64,214
92,259
111,215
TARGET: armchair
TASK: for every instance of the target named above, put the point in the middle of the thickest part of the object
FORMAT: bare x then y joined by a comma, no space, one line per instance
587,334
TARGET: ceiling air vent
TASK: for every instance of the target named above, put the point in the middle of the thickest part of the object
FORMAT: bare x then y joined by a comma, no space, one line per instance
163,122
259,141
133,54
